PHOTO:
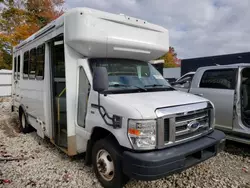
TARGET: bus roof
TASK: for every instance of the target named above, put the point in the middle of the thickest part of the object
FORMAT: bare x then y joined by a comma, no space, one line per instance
95,33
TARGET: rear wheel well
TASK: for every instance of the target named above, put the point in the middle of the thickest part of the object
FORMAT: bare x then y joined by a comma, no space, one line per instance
97,134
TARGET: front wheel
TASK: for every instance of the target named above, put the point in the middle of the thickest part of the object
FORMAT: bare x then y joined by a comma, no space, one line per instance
107,164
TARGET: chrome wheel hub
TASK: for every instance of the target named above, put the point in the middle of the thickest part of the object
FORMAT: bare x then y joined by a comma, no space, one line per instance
105,165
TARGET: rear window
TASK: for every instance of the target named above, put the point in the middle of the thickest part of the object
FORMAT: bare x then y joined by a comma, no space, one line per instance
219,79
15,68
40,59
32,63
18,67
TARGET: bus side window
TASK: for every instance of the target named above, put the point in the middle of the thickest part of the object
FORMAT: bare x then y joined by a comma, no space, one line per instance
18,67
26,64
40,58
15,68
32,64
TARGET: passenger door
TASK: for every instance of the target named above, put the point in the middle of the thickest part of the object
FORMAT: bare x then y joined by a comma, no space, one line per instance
218,85
59,92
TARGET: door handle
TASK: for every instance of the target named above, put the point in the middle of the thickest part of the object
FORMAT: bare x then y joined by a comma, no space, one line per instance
199,94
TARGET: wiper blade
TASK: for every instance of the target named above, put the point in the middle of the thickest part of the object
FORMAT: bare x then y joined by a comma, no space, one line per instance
157,85
126,85
153,85
118,85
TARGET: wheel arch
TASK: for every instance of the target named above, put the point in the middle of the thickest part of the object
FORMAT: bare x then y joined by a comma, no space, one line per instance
97,134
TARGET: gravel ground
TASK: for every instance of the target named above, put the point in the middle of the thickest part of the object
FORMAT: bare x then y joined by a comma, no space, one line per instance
46,166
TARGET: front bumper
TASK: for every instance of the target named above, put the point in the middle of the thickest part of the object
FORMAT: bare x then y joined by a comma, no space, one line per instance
160,163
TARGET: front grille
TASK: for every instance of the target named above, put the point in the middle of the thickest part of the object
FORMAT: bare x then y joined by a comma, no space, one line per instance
191,134
186,125
191,115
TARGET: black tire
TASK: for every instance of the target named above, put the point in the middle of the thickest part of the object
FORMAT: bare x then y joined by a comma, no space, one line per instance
26,128
119,178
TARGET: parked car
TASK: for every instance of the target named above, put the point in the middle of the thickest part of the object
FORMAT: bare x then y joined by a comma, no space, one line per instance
228,87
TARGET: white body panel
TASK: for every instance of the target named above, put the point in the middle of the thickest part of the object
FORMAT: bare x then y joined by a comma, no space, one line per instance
151,101
99,34
32,94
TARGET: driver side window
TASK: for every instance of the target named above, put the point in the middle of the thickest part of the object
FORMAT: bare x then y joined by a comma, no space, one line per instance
83,95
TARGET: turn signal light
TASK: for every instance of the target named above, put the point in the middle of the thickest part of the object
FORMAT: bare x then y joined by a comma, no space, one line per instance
134,132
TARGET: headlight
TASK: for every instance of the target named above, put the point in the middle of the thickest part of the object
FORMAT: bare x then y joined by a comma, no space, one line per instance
142,133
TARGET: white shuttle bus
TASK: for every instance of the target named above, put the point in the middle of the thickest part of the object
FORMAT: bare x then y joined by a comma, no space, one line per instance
85,82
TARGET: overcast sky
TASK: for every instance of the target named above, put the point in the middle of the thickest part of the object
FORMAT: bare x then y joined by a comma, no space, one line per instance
196,27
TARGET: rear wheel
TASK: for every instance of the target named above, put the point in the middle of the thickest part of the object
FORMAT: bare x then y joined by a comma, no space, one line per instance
107,164
25,127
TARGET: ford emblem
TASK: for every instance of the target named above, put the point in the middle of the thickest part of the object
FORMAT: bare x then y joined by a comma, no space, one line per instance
193,125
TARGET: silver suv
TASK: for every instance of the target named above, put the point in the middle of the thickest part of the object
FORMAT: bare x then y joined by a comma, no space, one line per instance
228,87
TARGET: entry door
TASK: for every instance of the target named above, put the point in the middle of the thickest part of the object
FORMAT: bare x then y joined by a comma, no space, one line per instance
219,87
59,92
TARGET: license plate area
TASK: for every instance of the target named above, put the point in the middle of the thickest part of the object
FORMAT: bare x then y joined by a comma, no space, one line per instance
200,156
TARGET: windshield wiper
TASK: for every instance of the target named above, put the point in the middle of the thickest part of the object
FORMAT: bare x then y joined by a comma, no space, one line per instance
158,85
126,85
153,85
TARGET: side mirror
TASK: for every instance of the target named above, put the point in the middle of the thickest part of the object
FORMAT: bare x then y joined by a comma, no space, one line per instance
100,79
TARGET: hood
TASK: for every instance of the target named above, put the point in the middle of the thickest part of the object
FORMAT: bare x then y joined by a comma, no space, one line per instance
146,103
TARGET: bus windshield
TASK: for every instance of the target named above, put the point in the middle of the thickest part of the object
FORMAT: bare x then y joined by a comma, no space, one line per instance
127,74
